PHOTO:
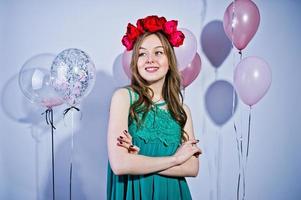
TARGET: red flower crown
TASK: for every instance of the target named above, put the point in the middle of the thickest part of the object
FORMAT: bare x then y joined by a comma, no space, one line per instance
153,24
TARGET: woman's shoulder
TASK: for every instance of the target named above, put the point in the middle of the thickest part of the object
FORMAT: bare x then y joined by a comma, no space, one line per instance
121,95
186,108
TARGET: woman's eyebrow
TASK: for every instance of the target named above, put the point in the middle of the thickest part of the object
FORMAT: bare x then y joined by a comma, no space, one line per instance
154,48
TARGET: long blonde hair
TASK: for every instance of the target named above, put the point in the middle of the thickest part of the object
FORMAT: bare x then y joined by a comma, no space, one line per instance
171,89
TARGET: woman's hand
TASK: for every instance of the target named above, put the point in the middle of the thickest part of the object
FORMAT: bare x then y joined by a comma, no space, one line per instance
186,150
125,140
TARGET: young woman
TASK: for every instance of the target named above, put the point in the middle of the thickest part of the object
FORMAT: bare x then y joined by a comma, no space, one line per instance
151,144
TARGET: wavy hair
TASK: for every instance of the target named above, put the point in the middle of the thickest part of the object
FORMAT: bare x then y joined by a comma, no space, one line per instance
171,88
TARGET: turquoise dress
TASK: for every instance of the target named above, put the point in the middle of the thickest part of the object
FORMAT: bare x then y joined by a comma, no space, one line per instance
159,135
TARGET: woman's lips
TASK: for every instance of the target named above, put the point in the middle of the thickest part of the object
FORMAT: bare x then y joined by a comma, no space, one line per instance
151,69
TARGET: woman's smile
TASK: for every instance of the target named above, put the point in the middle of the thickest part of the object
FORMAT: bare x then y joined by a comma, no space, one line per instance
151,69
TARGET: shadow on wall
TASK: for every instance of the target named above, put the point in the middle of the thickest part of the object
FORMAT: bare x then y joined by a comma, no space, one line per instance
90,136
90,143
215,43
219,102
18,109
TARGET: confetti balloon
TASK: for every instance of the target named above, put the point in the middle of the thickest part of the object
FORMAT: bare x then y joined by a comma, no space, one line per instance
73,75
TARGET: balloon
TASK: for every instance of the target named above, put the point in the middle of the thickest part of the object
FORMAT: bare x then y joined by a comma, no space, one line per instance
215,43
219,101
126,62
34,81
252,79
190,73
73,75
186,52
244,21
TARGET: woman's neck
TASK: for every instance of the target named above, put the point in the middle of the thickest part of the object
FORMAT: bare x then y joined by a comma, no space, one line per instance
157,89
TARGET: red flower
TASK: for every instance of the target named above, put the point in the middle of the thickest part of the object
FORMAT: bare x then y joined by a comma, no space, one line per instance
153,23
176,38
170,27
140,25
132,32
162,21
129,44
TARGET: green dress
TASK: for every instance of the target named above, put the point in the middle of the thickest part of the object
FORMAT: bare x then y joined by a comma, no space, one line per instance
159,135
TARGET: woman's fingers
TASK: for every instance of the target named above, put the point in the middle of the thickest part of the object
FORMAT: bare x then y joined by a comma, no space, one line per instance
131,148
191,142
198,152
124,139
134,149
123,144
126,133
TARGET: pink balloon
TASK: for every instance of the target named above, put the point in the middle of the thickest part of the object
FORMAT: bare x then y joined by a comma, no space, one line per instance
244,18
186,52
191,72
126,62
252,79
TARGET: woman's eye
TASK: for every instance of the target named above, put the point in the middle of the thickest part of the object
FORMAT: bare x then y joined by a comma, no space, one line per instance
159,52
141,54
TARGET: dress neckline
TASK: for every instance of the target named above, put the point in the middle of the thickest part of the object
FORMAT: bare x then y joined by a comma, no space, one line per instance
160,103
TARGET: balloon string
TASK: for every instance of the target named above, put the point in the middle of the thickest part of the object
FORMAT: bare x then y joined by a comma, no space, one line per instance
72,146
49,117
238,137
71,157
70,108
249,131
49,120
247,154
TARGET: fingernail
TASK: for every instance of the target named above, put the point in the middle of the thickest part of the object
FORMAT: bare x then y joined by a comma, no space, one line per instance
120,142
121,137
125,131
131,146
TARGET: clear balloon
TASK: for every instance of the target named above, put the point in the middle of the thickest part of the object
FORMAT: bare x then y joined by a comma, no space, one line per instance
252,79
126,62
186,52
191,72
73,75
241,21
34,81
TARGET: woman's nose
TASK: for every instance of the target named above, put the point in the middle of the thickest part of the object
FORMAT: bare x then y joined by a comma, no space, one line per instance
150,59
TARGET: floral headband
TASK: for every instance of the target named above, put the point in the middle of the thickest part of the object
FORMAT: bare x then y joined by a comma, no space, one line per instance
153,24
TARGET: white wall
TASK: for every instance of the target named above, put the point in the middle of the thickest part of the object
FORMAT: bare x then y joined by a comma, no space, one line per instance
32,27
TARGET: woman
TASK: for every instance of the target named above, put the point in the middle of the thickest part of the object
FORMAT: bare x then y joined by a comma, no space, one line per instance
151,143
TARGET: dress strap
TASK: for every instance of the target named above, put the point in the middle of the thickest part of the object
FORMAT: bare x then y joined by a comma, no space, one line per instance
130,93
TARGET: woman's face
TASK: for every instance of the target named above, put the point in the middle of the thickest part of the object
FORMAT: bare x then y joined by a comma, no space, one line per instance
152,61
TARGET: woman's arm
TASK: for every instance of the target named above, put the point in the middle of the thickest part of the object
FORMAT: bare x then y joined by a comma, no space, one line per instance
123,162
191,166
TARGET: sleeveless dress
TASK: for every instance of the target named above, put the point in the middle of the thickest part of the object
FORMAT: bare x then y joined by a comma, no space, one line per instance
159,135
